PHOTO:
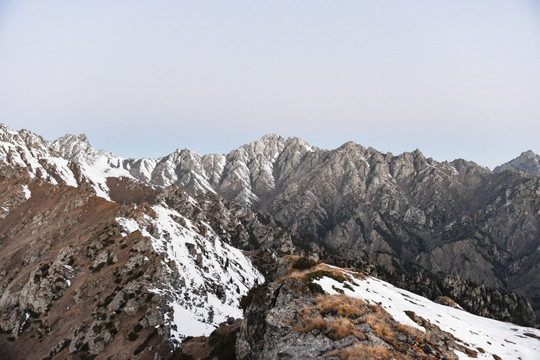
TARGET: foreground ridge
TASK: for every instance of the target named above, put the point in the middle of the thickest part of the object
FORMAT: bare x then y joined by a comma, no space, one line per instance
326,312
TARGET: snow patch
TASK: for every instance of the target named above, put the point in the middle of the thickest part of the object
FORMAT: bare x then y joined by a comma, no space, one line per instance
503,339
26,191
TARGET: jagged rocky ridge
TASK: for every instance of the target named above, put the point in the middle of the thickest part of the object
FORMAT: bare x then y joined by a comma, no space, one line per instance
453,217
352,200
98,172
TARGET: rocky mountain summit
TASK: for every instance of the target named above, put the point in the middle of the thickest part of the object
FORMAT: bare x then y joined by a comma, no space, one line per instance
528,163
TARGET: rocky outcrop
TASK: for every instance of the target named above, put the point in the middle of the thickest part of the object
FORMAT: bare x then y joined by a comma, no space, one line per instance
293,318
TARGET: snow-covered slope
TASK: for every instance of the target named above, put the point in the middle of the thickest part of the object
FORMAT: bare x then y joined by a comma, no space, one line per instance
95,166
205,277
505,340
25,149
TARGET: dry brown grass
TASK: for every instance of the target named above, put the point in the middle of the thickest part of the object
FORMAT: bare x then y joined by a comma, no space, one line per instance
381,328
341,305
310,324
309,320
362,352
295,273
338,328
385,332
341,309
359,275
409,330
381,313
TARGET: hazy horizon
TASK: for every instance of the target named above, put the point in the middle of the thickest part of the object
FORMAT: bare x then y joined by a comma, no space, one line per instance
456,79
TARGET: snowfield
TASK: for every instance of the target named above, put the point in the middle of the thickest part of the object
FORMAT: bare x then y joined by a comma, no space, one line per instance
215,274
506,340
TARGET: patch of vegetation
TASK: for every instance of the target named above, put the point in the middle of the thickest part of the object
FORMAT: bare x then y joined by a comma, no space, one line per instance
319,274
107,300
135,276
137,328
347,286
177,354
88,357
373,352
45,269
132,336
186,339
338,328
340,305
303,264
149,297
107,241
315,288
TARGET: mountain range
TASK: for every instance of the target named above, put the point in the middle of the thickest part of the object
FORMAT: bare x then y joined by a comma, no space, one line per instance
82,228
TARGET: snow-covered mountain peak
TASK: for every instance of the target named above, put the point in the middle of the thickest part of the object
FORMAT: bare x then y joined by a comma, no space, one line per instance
79,149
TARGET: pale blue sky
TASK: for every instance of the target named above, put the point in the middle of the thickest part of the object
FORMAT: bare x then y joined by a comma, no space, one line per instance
142,78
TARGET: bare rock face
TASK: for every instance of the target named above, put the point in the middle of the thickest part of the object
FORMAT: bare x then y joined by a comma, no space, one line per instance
528,163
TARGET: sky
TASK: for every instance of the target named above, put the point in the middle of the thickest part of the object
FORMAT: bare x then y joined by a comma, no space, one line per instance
455,79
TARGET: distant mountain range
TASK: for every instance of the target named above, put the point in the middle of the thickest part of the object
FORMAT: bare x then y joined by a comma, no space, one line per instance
142,243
